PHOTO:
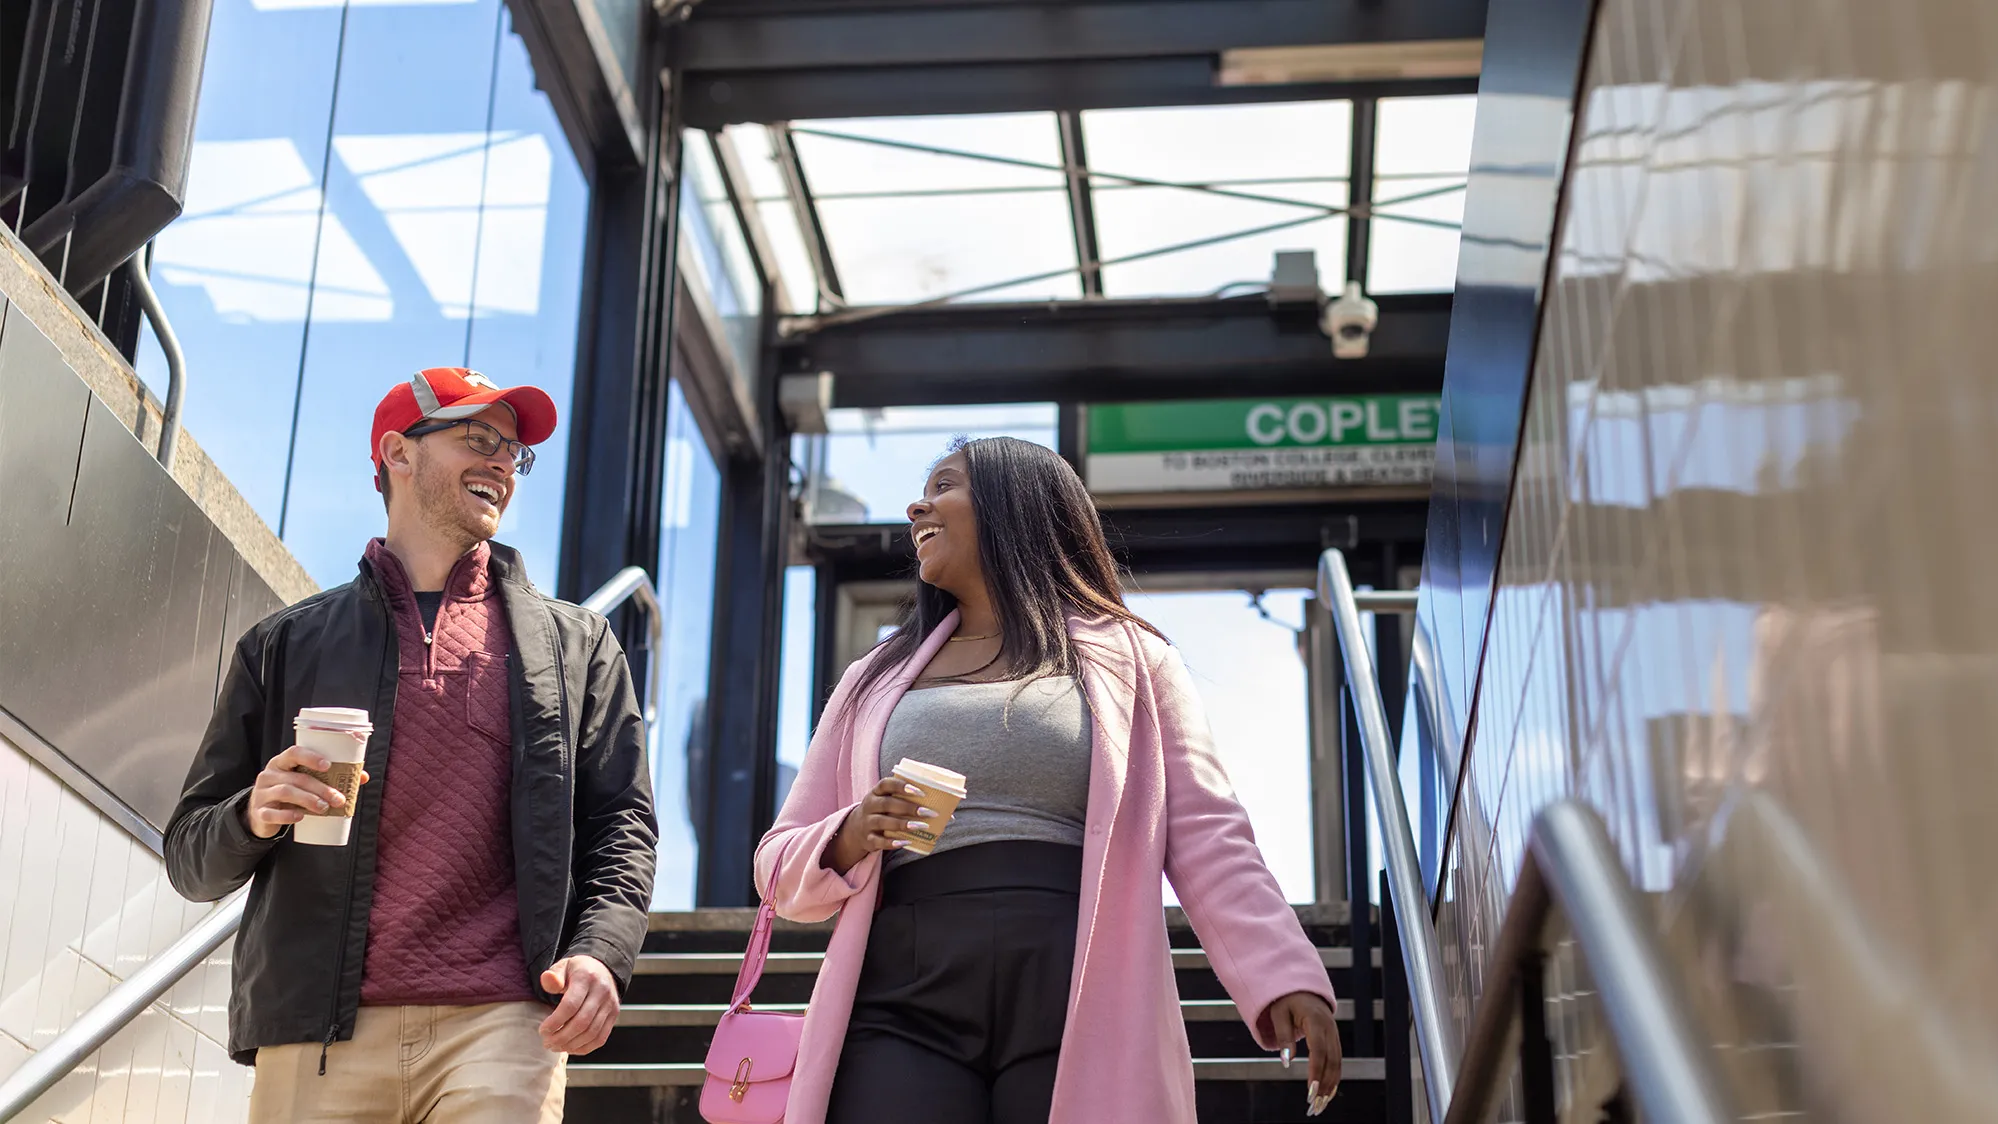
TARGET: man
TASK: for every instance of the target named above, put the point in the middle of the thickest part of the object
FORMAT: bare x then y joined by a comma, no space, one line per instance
501,855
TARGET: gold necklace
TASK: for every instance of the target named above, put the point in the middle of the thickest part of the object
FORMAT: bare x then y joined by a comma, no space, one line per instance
964,639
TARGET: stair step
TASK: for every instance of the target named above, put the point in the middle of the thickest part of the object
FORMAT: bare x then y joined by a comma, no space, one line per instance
708,1014
780,963
583,1075
733,920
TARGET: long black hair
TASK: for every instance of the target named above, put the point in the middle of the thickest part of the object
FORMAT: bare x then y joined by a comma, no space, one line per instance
1041,545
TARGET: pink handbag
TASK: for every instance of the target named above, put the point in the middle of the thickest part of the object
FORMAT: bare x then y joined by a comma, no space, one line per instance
753,1053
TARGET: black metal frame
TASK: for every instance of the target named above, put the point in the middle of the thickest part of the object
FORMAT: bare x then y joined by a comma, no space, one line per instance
780,60
738,792
611,510
1360,187
1081,201
800,191
96,137
1370,930
608,126
1117,350
1191,539
1398,1062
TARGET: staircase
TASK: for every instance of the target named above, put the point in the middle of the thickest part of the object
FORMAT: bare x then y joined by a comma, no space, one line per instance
650,1070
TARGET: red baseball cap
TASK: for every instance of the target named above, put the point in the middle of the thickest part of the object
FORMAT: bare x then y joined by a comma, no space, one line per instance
450,393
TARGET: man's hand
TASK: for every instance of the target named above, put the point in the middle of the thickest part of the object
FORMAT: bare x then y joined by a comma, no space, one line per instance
1303,1014
282,795
589,1006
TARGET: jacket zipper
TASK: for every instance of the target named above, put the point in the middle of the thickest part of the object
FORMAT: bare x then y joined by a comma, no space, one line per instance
347,901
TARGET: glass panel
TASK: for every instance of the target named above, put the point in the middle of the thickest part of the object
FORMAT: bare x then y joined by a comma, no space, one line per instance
873,463
1139,220
721,254
794,676
233,270
908,225
526,295
1252,682
780,221
1424,136
1422,153
446,228
1270,166
406,177
689,538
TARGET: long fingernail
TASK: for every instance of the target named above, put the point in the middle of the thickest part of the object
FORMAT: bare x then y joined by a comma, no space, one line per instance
1285,1055
1311,1094
1321,1104
927,813
899,843
918,825
912,790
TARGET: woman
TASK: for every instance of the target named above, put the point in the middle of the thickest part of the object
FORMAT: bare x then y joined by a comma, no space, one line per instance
1021,971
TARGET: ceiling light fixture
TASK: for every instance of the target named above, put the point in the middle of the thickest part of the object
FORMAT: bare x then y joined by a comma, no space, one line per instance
1351,62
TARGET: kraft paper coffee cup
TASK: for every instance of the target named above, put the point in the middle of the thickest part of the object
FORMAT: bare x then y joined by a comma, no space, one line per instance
340,735
942,790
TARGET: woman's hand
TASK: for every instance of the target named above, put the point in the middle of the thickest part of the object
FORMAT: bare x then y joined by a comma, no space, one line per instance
891,806
1302,1014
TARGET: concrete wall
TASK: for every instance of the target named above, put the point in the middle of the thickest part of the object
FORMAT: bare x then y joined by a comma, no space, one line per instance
85,904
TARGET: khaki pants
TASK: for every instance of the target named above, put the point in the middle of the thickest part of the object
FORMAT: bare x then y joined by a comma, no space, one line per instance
418,1065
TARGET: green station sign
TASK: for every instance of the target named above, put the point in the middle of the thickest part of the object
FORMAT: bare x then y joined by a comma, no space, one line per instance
1257,444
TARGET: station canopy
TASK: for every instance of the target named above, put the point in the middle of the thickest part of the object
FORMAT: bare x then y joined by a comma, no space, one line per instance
1174,201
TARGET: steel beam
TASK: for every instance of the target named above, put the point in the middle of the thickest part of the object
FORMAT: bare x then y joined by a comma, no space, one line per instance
576,64
1360,188
737,783
725,35
1117,351
1244,538
610,516
799,191
718,98
1081,205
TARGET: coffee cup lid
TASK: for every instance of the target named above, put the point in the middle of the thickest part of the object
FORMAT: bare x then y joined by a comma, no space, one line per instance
334,718
931,774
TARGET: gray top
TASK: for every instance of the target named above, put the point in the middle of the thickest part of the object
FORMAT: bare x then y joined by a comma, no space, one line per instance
1023,749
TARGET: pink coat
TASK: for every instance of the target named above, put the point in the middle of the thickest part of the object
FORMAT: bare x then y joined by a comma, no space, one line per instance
1158,802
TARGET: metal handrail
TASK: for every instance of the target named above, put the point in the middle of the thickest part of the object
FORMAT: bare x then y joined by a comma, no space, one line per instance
109,1015
630,582
1434,1034
1571,864
149,301
143,987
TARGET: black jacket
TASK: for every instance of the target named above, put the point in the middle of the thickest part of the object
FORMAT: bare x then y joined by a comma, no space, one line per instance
583,829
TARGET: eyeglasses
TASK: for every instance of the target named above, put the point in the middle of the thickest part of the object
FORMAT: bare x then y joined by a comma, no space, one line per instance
483,440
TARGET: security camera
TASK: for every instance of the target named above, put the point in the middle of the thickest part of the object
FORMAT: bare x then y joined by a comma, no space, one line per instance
1350,322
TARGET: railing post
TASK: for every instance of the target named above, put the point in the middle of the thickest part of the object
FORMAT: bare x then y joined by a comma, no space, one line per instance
1359,878
1400,1070
1536,1052
1326,724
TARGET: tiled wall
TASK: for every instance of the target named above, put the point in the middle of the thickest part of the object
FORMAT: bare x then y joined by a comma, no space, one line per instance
1740,606
82,905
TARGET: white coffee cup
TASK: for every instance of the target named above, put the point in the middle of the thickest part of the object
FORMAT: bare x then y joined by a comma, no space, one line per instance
942,789
340,735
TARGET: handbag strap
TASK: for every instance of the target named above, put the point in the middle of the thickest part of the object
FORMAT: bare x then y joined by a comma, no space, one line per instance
753,957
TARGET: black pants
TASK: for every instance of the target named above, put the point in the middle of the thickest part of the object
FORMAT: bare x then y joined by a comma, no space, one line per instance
964,990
